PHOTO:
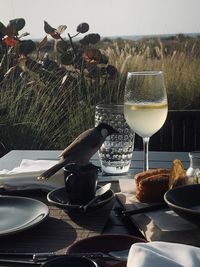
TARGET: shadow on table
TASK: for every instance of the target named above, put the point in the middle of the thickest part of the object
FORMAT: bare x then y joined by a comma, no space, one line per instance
51,235
93,220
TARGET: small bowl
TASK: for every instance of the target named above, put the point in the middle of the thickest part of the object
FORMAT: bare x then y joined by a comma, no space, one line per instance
105,243
70,261
185,201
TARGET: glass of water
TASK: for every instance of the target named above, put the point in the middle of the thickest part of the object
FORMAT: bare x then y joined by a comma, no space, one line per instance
116,152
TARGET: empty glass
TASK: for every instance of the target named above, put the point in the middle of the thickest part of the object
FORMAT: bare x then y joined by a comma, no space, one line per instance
193,172
116,152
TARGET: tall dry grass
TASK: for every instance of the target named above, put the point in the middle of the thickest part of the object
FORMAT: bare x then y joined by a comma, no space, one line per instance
181,69
40,115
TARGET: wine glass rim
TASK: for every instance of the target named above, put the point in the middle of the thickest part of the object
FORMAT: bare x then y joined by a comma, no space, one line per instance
109,106
195,154
147,72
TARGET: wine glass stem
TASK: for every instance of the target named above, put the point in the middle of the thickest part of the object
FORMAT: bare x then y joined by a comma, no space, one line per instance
146,153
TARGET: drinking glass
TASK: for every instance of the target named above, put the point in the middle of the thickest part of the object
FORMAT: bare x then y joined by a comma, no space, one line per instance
145,105
193,172
116,152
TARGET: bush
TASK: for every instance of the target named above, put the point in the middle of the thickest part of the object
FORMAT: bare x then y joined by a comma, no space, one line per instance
45,103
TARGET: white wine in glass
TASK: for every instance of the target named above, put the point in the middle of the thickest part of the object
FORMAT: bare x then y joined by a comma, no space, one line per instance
145,105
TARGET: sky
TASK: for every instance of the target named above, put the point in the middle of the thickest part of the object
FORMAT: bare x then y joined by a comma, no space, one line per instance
106,17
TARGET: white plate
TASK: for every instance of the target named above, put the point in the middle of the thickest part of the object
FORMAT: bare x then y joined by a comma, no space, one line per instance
19,213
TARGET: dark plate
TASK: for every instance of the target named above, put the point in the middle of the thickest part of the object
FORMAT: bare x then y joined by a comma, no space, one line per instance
185,201
19,213
104,243
59,198
71,262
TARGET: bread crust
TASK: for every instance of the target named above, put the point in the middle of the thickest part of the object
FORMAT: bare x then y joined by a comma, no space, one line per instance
152,172
151,185
177,174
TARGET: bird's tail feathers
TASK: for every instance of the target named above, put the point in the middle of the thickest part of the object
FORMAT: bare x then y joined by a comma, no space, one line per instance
51,171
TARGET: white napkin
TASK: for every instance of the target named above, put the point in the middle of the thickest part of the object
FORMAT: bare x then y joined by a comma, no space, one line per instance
163,254
127,185
24,177
29,166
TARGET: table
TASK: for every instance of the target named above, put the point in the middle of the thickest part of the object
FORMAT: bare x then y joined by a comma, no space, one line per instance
157,159
113,224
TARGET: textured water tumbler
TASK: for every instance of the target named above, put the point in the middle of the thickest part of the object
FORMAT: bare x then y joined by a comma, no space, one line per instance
116,152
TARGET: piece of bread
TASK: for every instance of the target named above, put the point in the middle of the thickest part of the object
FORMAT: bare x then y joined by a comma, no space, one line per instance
177,174
151,185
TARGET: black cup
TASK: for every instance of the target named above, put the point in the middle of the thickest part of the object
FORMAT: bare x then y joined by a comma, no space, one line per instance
80,182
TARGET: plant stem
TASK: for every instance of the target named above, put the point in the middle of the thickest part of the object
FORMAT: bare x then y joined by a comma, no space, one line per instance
71,42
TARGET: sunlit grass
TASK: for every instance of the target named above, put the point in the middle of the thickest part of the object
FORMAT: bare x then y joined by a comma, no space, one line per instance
181,71
42,115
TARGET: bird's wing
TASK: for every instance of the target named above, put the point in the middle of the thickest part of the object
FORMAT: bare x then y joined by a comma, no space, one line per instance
90,138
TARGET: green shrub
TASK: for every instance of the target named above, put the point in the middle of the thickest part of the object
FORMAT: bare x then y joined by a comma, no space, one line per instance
45,103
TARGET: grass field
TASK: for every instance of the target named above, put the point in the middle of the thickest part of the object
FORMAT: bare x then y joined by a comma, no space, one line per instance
39,114
179,61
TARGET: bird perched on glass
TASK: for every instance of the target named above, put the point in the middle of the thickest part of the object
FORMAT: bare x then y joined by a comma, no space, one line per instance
82,148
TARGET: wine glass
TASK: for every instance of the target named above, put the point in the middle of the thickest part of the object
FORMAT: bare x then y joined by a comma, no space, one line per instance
145,105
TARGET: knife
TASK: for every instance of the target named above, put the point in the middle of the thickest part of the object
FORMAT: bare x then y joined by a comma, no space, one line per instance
154,207
39,258
23,258
114,255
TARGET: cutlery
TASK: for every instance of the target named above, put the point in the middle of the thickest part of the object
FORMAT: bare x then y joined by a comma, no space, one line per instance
12,257
39,258
101,191
113,255
122,255
20,261
154,207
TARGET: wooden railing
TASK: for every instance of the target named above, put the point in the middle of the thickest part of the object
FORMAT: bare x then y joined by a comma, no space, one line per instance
181,132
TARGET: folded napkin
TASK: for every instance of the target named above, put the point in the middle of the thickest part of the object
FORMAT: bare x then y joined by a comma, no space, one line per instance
24,177
163,254
127,185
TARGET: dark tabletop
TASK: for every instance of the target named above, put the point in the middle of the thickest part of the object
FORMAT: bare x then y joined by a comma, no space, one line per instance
62,228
